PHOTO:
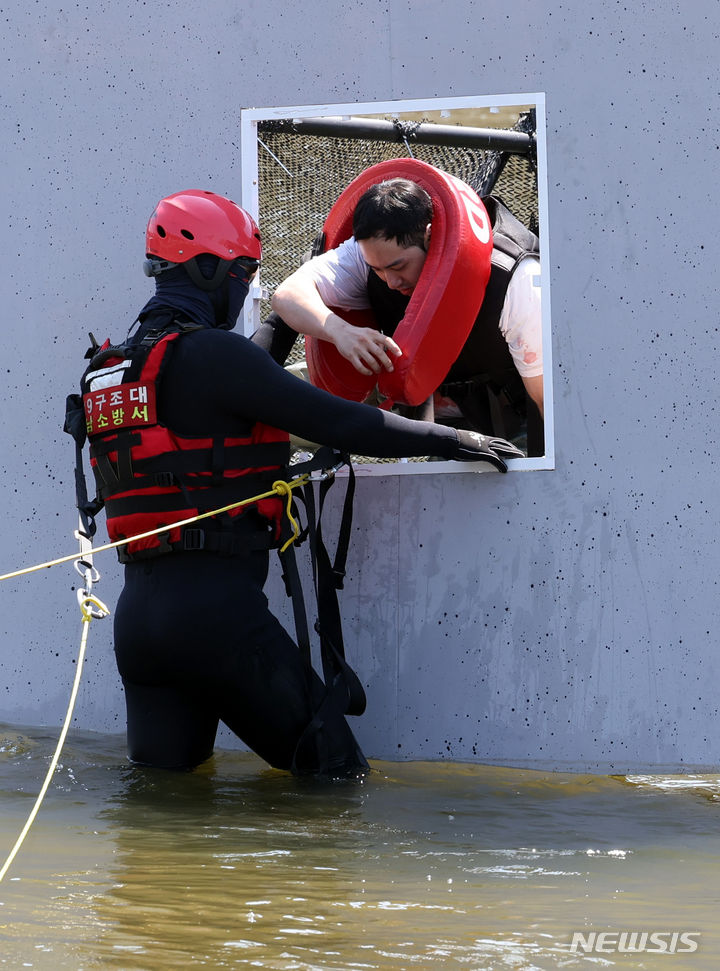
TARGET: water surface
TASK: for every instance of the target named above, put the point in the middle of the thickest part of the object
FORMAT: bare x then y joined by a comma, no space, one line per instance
423,865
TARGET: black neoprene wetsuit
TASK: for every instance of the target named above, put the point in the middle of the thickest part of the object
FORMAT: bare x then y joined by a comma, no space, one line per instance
195,640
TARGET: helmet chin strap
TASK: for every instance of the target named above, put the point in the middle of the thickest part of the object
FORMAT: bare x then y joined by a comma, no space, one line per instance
208,283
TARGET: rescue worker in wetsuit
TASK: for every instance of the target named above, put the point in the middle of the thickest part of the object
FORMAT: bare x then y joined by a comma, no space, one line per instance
195,641
496,382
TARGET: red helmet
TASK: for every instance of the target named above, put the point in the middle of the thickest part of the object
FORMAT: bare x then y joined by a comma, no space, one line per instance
188,223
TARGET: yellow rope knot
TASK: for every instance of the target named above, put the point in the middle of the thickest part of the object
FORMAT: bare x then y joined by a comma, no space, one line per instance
283,488
86,608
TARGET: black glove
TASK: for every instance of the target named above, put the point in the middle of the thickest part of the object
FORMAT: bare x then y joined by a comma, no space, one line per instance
474,447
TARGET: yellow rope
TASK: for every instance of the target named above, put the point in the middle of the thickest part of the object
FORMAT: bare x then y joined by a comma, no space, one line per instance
280,488
86,608
285,489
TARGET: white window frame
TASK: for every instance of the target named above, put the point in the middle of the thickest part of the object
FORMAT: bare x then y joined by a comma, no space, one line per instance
249,119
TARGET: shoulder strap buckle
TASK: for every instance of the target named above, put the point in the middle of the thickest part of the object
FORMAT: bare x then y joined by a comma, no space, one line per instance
193,539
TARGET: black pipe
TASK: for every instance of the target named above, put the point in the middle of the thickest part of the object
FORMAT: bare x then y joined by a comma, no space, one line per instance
374,129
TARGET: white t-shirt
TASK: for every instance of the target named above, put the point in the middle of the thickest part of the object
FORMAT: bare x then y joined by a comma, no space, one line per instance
341,275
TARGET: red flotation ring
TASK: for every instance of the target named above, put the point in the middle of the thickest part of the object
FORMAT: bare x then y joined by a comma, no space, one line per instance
445,302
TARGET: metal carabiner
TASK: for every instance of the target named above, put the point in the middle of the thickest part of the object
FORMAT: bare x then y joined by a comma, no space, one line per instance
84,564
87,570
91,607
327,473
90,575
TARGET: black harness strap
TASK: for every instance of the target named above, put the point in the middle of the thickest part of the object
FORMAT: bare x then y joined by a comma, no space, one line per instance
217,461
323,459
75,425
293,588
242,541
344,693
328,576
112,475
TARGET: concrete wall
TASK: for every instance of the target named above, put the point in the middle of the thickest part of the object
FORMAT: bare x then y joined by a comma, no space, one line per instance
563,618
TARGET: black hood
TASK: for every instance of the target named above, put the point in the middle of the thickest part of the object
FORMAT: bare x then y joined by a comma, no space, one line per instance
218,308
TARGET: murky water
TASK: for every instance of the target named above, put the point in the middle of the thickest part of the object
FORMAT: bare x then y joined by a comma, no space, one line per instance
424,865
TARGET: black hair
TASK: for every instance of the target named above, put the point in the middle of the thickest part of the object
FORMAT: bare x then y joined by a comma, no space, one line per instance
396,209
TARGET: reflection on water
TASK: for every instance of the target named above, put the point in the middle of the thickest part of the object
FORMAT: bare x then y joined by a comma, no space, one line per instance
423,865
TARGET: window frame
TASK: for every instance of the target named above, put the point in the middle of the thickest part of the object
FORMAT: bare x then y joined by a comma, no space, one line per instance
250,146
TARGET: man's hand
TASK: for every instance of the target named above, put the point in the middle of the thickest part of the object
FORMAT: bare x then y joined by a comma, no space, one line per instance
474,447
300,305
368,350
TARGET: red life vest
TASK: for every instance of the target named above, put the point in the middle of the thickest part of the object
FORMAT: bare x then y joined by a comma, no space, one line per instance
149,476
444,304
